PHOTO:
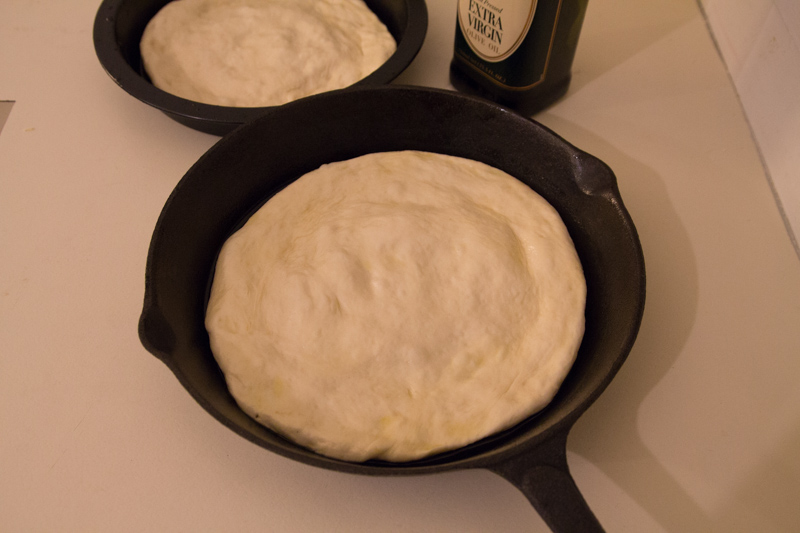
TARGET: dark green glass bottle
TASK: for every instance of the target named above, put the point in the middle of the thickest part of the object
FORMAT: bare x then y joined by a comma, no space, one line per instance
516,52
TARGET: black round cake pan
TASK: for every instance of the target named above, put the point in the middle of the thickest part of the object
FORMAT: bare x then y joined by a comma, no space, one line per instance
118,29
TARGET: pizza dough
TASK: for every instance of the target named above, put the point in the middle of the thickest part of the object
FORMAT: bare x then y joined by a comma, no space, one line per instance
253,53
397,305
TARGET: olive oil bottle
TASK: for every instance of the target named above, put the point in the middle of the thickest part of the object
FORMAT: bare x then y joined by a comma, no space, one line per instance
516,52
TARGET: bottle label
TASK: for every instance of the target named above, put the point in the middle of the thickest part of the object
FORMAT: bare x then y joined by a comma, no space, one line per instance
494,29
507,41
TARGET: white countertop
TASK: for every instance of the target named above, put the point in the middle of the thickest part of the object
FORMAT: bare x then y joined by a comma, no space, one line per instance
700,430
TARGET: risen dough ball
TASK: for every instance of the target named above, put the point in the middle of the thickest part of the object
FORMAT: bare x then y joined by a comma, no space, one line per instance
397,305
253,53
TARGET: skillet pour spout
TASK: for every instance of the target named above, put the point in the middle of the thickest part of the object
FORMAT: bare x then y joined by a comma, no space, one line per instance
248,166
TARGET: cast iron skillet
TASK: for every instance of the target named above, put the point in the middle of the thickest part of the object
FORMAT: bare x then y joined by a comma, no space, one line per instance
251,164
118,28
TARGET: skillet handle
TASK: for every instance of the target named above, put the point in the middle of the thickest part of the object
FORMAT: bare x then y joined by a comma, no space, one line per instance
542,474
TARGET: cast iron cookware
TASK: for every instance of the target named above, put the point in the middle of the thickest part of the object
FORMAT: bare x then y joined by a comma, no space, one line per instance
119,25
248,166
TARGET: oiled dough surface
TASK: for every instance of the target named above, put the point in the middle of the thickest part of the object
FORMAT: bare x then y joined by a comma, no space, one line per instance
252,53
397,305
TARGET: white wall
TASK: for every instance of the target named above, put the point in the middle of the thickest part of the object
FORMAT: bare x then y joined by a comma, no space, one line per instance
760,42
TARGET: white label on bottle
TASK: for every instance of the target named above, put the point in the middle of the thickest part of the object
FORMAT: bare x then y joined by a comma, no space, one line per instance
494,29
